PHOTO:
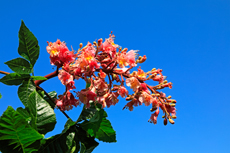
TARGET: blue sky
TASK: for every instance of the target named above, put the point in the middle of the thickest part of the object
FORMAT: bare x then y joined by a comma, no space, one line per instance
189,40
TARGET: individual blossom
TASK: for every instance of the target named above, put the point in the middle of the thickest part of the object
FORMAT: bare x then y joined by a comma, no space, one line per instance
66,79
144,88
85,96
111,99
101,74
66,101
109,46
133,83
153,118
131,55
86,60
100,85
59,53
141,74
133,102
122,60
147,99
122,91
158,78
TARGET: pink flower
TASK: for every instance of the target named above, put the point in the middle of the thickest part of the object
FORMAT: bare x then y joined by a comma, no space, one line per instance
158,78
67,101
154,116
122,91
85,96
131,58
65,77
144,88
147,99
122,60
100,85
59,53
133,83
132,103
102,74
108,46
141,74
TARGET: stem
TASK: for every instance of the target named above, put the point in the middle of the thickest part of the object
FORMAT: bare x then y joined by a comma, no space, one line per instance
52,100
48,76
38,82
3,72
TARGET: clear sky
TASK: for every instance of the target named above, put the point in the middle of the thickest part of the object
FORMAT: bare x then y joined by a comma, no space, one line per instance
189,40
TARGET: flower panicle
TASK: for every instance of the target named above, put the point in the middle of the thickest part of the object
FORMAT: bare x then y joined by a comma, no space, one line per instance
99,60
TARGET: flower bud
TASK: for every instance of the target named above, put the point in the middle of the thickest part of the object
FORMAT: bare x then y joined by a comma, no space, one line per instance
81,45
143,59
171,121
129,98
99,42
172,104
125,50
153,108
174,117
165,121
169,97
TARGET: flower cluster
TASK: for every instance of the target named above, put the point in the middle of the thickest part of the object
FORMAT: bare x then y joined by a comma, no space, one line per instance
98,60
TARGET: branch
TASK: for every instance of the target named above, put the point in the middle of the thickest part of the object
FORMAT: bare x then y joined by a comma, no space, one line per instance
51,100
3,72
48,76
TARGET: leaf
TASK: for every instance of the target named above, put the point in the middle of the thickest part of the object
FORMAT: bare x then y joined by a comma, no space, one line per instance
25,90
65,142
89,142
28,44
38,78
0,95
53,95
68,124
83,148
14,78
43,115
99,127
16,135
93,125
20,66
88,113
24,113
106,132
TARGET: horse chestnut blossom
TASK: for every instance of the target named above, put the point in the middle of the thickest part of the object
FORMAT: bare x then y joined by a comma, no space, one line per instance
100,61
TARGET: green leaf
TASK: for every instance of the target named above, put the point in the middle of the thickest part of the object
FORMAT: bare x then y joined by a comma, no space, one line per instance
0,95
93,125
106,132
99,127
20,66
25,90
68,124
38,78
43,115
89,112
65,142
28,44
83,148
16,135
89,142
53,95
14,78
24,113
